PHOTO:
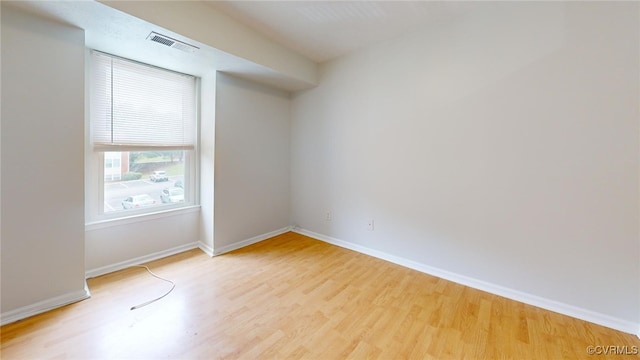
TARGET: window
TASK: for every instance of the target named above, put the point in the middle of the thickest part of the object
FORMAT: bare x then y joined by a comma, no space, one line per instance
142,139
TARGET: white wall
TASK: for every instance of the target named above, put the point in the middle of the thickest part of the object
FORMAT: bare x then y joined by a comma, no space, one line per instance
252,135
111,247
501,148
42,164
207,159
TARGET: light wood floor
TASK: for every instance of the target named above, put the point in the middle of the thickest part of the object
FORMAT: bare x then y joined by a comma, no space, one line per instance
295,297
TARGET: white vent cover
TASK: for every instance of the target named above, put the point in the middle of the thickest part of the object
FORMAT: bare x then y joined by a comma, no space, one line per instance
173,43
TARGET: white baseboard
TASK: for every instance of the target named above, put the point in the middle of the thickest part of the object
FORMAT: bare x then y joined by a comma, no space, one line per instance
206,248
139,260
45,305
247,242
544,303
176,250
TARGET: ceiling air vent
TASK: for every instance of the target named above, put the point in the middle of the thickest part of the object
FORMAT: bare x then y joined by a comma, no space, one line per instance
173,43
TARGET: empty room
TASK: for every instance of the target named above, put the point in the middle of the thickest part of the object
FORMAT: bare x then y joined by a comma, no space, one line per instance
320,180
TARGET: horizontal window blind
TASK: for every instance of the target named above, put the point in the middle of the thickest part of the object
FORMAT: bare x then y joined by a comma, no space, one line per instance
135,106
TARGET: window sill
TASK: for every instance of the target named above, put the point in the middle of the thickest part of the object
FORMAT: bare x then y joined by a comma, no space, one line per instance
101,224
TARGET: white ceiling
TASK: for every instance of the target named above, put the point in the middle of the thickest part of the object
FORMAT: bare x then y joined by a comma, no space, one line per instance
323,30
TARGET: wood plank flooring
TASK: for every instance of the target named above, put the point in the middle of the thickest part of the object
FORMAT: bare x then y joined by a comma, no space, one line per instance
295,297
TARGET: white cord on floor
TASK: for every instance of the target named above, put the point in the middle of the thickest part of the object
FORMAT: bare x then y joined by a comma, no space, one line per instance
173,285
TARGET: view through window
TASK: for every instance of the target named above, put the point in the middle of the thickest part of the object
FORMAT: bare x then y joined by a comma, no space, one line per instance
141,179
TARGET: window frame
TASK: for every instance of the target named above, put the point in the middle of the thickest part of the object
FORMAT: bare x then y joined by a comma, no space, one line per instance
95,216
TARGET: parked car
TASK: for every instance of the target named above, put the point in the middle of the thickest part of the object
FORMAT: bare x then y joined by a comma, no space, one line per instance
179,183
159,175
137,201
172,195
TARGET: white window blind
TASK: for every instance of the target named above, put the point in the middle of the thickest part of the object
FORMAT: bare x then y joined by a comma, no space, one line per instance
136,106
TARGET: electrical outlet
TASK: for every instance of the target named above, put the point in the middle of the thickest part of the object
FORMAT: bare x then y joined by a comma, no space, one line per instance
370,225
328,216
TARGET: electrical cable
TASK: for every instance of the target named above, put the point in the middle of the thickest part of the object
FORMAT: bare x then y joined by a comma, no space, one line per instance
173,285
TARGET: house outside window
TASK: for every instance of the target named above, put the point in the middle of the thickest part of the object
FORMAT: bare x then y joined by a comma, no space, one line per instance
116,163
